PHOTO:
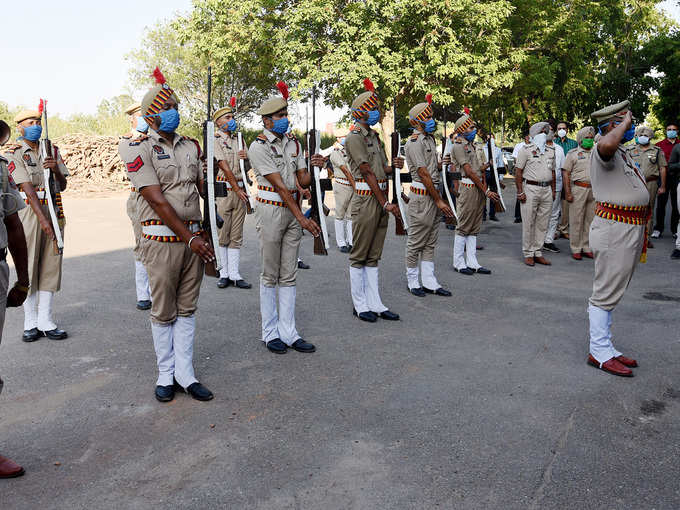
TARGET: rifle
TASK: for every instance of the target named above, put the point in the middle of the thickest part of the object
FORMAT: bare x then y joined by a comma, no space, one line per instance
313,147
495,184
48,151
210,223
446,144
244,177
398,197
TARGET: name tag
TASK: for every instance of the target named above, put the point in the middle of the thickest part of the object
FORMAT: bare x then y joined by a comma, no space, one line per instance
164,156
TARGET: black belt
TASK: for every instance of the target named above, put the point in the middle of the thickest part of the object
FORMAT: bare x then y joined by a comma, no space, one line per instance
542,184
3,255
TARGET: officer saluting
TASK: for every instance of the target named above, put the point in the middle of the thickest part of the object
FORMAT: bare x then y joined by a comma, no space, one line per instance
231,208
277,158
425,204
138,128
370,206
44,262
617,234
165,168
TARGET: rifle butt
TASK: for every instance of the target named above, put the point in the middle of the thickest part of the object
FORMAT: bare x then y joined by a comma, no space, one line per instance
399,227
319,246
405,198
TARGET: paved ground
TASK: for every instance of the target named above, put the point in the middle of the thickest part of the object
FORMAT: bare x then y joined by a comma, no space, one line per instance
479,401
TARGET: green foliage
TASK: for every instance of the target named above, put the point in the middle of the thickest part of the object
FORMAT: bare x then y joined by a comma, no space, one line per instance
663,53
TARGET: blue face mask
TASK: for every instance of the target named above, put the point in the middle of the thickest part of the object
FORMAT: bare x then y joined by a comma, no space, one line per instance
230,126
672,134
430,126
630,134
373,117
280,125
33,132
470,137
342,141
142,126
169,120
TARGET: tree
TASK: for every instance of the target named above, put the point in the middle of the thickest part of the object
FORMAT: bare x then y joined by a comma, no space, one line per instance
663,53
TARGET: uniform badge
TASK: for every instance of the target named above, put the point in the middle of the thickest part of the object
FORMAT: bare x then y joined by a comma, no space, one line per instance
28,160
135,165
11,167
160,153
535,153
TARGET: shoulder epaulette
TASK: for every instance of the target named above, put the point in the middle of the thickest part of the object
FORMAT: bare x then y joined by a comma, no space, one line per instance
572,150
261,138
11,149
414,136
139,140
355,129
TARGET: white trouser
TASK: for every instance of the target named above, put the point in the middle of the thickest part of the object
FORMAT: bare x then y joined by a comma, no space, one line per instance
287,331
270,316
165,354
349,232
471,252
183,332
429,280
601,346
234,258
372,290
31,311
555,214
142,282
224,272
45,322
459,252
413,277
677,239
340,238
358,289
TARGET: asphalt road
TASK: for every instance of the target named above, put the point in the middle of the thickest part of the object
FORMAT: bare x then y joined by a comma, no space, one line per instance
478,401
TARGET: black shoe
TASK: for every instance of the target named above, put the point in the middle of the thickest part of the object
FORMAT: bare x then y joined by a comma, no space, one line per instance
242,284
31,335
675,254
483,270
466,271
450,227
389,316
439,292
223,283
418,291
143,304
302,265
165,393
200,392
518,220
365,316
301,346
55,334
277,346
551,247
493,218
345,249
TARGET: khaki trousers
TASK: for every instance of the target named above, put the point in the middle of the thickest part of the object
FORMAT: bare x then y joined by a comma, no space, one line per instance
280,236
233,212
563,227
581,213
653,188
369,228
535,218
470,208
342,193
131,206
617,247
175,275
44,264
423,229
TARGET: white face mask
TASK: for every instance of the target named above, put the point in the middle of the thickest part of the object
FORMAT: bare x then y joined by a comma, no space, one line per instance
561,133
644,140
539,140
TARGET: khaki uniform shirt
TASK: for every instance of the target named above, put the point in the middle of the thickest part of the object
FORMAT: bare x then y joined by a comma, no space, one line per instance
268,154
465,152
226,149
536,166
125,140
650,158
363,145
617,181
578,163
153,161
10,202
421,152
28,166
339,159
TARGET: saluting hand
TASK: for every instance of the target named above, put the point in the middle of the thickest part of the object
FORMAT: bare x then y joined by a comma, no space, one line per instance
310,226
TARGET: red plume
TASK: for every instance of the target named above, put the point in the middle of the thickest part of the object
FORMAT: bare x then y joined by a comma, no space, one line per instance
283,88
232,102
368,85
41,106
466,110
160,79
428,98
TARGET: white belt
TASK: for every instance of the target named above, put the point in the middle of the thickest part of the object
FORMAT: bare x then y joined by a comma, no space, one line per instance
163,230
418,185
467,180
41,195
273,196
240,184
342,181
363,186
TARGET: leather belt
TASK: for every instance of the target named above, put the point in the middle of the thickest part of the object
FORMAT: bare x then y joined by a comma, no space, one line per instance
630,214
542,184
268,195
582,184
156,230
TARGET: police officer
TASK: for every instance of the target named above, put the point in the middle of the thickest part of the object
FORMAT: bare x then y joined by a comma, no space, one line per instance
652,161
579,194
138,128
26,168
278,159
617,234
370,206
535,181
12,237
231,208
473,193
425,204
343,189
165,169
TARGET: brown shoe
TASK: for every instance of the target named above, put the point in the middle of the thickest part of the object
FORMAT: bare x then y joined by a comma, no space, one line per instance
564,236
529,261
542,260
576,256
649,243
9,468
629,362
612,366
588,254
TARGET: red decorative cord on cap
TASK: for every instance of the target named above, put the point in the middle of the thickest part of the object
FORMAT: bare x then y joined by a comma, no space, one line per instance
428,98
160,79
41,106
232,102
368,85
283,88
466,110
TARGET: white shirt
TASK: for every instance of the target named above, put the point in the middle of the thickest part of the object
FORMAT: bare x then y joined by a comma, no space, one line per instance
559,162
517,148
